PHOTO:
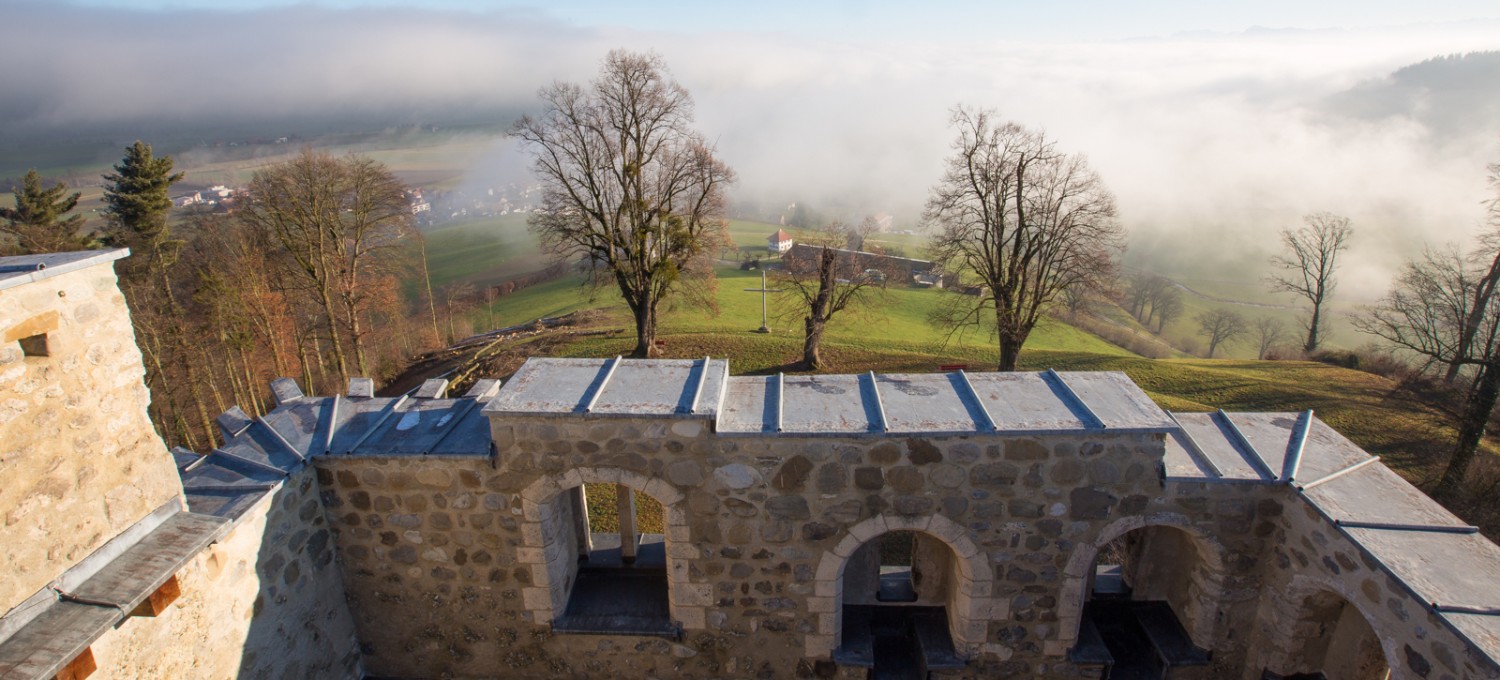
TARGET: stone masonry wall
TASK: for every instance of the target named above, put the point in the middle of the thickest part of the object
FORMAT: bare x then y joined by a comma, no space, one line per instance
266,601
1308,556
450,561
78,455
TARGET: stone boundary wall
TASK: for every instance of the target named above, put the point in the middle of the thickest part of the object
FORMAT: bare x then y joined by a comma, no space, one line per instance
79,457
266,601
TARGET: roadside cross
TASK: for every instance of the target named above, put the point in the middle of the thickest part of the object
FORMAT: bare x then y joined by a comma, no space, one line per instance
763,290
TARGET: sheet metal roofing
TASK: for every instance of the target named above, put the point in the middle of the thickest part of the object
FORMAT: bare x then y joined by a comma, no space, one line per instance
1442,560
20,269
838,405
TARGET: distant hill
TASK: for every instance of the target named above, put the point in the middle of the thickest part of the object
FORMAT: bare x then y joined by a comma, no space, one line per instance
1456,97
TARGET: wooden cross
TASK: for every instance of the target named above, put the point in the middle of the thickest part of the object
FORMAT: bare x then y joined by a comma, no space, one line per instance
763,290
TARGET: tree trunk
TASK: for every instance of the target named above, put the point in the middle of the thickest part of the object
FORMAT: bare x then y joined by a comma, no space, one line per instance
1010,352
645,332
1476,415
811,357
1312,330
333,334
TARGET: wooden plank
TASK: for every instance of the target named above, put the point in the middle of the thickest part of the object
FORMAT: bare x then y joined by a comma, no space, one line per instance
144,567
44,647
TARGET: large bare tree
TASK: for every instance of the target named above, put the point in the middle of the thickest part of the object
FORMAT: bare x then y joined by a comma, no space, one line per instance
1309,265
627,185
824,276
336,219
1428,313
1021,219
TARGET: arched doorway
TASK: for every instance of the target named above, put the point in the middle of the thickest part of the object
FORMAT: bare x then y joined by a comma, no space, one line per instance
899,590
1325,635
629,583
1148,594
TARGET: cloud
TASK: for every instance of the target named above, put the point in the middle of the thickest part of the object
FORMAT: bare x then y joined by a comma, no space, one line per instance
1212,141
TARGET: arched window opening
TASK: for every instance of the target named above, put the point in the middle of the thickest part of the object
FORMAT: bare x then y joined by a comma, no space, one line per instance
607,557
1331,640
899,591
1147,589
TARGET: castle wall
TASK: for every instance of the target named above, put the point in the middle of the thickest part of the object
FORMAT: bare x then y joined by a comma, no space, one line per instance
266,601
1309,557
79,457
451,563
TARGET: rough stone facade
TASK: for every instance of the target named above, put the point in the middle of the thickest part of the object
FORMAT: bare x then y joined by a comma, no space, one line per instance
79,457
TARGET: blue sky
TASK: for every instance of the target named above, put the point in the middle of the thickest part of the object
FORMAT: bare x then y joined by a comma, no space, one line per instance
934,19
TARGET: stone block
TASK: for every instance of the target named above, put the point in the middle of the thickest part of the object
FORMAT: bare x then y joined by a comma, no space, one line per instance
820,605
867,530
818,646
536,599
691,618
833,589
1055,647
830,624
691,594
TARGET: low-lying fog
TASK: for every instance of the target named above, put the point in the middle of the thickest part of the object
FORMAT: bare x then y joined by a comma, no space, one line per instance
1213,141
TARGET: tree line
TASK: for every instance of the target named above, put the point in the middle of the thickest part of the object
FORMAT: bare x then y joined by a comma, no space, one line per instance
303,278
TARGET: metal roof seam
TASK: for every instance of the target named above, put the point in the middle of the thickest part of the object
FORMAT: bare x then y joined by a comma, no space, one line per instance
1073,399
1194,448
1295,446
884,425
1256,460
1335,475
609,372
698,388
464,413
384,416
989,421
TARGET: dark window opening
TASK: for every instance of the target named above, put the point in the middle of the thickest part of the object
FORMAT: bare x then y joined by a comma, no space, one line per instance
897,578
621,580
35,346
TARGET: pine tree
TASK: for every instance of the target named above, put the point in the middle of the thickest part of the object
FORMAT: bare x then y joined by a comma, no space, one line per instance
136,205
40,222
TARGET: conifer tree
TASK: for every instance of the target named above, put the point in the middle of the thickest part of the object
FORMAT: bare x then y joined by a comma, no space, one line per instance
136,205
40,222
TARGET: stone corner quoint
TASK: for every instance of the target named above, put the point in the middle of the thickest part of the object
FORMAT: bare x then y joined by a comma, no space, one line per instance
946,525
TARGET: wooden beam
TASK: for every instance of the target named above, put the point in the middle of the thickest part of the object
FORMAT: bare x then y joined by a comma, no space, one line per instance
158,601
80,667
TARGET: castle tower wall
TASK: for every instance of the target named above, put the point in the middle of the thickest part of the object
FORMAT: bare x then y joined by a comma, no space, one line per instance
79,458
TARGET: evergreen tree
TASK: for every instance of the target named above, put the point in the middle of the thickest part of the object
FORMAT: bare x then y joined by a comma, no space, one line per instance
136,205
40,222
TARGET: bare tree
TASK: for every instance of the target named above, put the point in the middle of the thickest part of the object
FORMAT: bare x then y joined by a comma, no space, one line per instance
1143,291
1221,326
823,277
627,185
1428,312
1166,307
1484,286
1268,332
335,218
1310,265
1025,220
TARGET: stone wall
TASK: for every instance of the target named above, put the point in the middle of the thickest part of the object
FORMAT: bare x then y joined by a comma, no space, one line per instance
79,457
1310,558
456,565
266,601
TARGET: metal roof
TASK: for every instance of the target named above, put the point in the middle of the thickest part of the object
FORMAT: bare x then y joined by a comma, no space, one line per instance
623,387
21,269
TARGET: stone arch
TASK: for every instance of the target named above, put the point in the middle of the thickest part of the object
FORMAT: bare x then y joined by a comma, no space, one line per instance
545,552
1293,599
1077,574
971,602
